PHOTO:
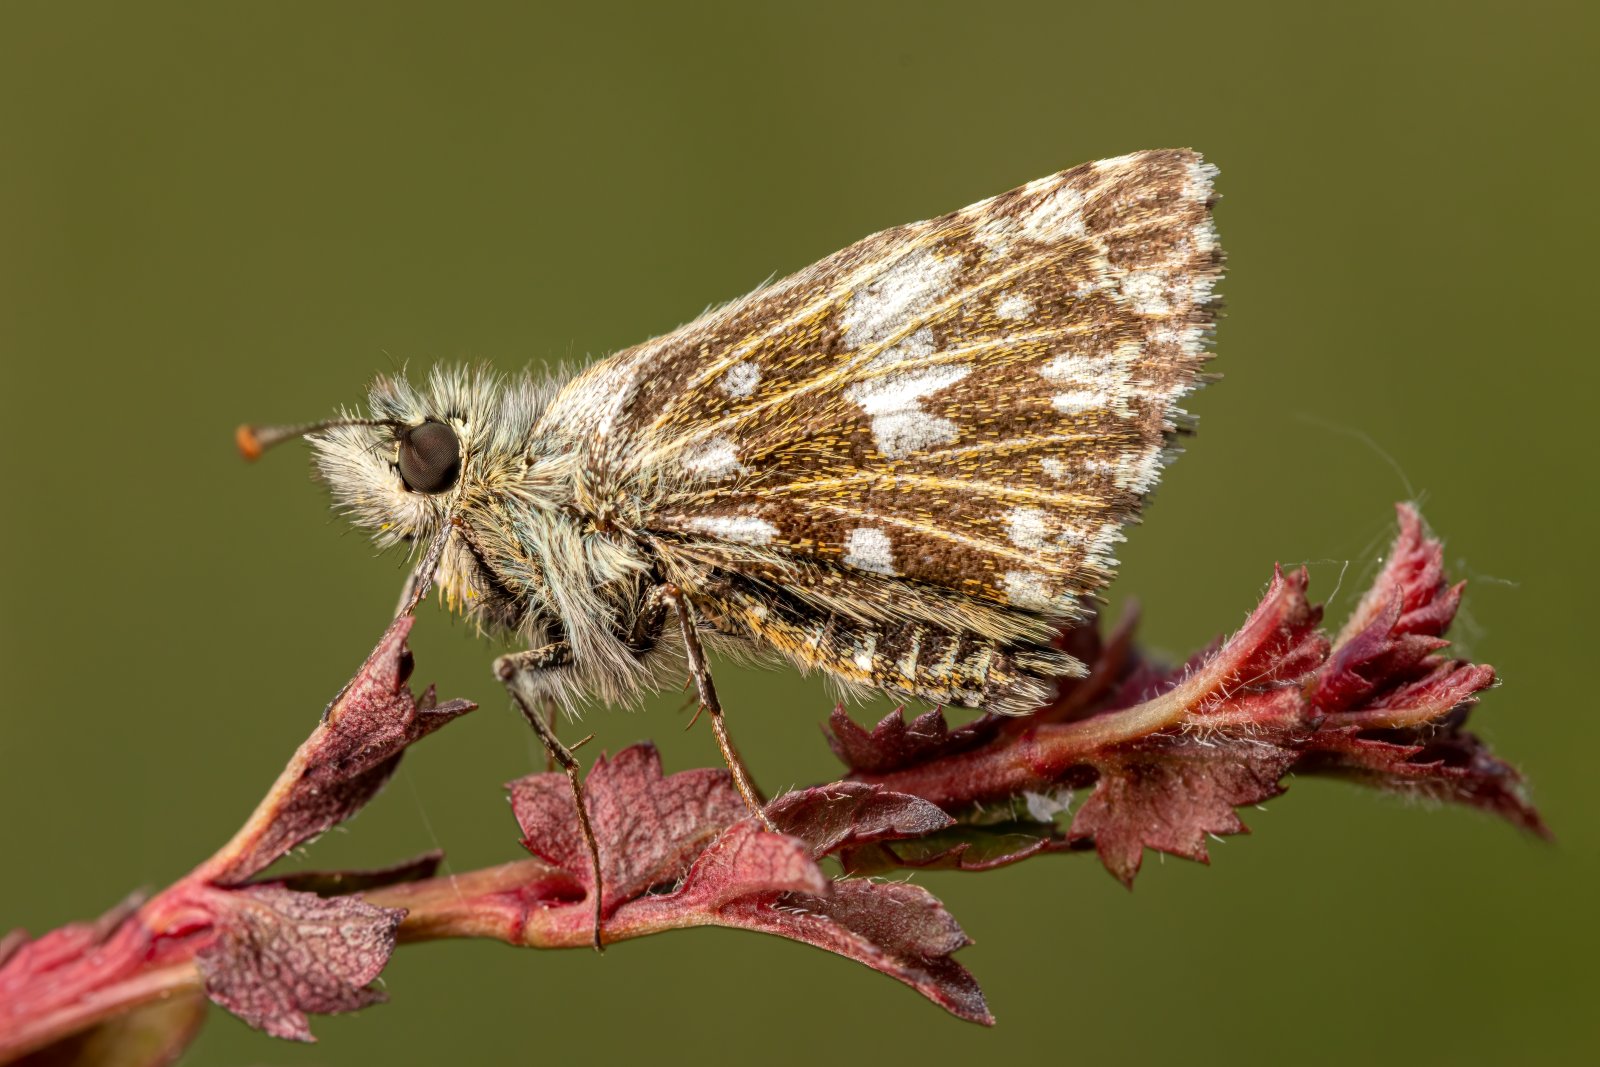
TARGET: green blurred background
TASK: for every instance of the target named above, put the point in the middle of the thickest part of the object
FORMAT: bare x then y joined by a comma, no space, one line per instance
227,212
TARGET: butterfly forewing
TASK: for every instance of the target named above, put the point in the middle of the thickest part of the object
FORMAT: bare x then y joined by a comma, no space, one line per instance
977,402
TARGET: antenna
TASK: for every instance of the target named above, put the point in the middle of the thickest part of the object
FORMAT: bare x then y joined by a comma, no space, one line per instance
254,440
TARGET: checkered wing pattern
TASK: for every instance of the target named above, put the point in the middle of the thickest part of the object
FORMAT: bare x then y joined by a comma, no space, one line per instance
976,402
970,407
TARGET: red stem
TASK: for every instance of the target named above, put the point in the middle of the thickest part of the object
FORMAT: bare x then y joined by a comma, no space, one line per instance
1040,758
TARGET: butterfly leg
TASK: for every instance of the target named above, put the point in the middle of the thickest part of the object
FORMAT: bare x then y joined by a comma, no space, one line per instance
707,689
517,670
550,711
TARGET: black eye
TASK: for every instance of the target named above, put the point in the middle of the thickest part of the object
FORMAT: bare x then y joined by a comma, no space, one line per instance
430,458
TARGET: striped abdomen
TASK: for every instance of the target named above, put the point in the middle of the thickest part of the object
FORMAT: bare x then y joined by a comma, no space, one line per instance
904,659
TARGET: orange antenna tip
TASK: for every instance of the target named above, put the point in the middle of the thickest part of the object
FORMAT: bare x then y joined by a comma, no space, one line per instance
249,444
254,440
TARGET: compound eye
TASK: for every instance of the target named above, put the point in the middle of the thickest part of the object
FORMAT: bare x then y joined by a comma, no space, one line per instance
430,458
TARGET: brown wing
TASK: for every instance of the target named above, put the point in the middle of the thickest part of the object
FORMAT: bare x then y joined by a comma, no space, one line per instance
977,403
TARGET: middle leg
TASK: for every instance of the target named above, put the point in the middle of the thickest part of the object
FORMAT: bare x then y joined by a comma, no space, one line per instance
707,691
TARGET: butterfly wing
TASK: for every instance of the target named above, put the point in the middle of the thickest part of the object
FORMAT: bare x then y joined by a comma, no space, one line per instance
975,404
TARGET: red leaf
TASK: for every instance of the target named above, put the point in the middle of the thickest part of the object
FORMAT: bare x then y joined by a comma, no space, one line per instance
1393,708
277,954
746,861
691,828
755,880
894,743
649,828
895,928
1384,670
1413,581
1168,793
342,765
39,976
1447,764
1277,645
831,817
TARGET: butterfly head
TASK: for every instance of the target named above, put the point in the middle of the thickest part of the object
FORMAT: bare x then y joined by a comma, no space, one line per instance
419,453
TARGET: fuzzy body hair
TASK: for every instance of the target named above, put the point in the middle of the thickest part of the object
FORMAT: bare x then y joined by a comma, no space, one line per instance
533,565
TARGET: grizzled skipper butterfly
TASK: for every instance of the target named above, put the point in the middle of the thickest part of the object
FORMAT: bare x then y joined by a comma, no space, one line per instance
906,466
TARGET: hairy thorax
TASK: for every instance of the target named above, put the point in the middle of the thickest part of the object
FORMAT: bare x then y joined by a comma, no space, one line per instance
546,554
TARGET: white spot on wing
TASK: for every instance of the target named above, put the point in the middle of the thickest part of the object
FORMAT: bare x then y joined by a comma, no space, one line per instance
743,528
918,346
899,426
715,459
1146,292
1075,369
907,289
1028,528
1026,589
1057,216
869,549
1013,306
1077,401
1103,383
1188,338
741,380
900,433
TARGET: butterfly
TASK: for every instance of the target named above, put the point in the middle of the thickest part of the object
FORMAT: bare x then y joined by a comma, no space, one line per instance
906,466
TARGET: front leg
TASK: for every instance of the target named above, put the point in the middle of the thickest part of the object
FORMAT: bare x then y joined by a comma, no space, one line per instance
519,671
